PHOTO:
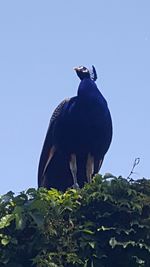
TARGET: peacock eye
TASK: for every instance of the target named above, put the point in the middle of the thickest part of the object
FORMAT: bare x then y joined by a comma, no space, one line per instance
85,69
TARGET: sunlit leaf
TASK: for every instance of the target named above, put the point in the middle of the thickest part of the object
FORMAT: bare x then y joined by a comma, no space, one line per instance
6,220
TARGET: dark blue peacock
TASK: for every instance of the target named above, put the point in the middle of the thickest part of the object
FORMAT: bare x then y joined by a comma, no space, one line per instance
78,137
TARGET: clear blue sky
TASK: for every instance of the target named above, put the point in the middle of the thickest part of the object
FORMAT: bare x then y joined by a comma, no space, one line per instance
40,43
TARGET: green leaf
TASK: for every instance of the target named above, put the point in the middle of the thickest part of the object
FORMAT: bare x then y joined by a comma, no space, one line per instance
89,232
31,191
38,218
20,218
109,176
5,241
6,220
113,242
92,244
7,197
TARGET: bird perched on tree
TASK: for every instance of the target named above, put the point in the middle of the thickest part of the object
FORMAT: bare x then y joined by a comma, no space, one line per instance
78,137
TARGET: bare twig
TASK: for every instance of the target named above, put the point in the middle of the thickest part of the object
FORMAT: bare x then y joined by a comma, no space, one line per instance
136,162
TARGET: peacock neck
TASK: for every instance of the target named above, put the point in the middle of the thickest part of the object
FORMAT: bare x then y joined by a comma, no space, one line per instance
88,92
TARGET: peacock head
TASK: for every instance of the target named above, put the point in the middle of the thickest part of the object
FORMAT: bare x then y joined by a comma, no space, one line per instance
83,73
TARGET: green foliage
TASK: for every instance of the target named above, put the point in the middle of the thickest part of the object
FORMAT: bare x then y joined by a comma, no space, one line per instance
105,224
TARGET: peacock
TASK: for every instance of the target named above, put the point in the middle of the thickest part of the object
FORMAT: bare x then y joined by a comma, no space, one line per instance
78,137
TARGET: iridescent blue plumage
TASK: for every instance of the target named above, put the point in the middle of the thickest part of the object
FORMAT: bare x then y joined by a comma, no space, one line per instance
78,137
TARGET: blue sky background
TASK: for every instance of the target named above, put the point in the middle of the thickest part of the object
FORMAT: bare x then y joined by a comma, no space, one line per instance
40,43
